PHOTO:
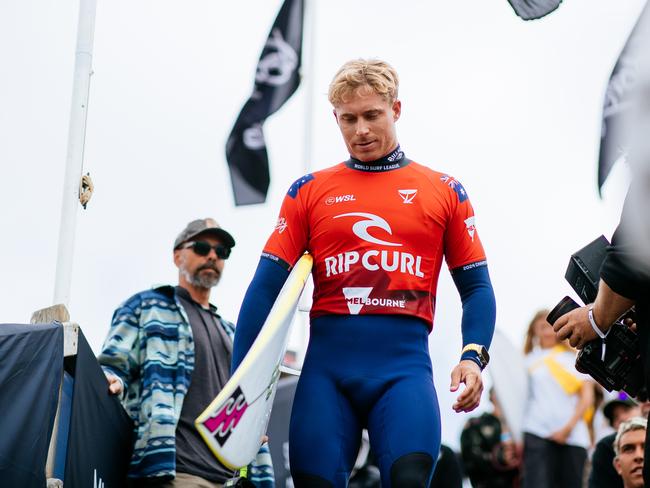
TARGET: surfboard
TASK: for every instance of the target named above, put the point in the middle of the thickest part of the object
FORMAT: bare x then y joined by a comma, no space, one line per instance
234,423
510,381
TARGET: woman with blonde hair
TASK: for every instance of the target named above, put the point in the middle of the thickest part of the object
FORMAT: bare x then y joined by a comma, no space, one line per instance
556,436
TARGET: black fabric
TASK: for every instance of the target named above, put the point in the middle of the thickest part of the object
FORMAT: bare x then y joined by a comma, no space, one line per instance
626,268
101,440
278,429
618,103
412,470
277,78
393,160
480,441
302,480
603,474
31,369
534,9
547,464
212,356
448,472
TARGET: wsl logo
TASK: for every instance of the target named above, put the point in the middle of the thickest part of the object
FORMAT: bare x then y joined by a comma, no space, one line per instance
340,199
222,424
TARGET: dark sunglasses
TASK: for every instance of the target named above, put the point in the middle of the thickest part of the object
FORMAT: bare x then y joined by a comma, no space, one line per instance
202,248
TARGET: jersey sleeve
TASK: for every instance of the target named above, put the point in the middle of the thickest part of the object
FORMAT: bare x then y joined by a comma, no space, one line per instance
463,248
291,234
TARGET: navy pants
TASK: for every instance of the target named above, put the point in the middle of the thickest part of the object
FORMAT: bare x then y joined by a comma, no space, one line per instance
369,372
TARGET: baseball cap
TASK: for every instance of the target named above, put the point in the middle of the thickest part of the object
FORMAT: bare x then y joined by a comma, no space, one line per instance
608,409
200,226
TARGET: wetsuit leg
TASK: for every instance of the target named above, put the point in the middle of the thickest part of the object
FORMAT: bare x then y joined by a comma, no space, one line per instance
360,371
404,428
324,434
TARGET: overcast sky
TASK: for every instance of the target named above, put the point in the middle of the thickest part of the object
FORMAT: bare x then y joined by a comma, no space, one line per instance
510,108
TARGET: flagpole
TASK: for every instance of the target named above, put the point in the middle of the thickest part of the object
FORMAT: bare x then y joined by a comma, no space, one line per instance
74,158
309,28
308,78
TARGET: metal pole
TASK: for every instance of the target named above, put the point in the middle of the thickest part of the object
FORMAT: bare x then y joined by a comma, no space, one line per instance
74,159
308,64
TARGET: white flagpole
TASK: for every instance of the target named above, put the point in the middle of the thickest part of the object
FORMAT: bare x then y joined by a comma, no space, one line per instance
308,67
74,160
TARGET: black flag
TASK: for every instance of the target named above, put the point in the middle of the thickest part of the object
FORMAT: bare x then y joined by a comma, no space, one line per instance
276,79
618,99
534,9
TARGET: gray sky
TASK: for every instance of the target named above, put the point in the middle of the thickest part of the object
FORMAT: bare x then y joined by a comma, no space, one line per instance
510,108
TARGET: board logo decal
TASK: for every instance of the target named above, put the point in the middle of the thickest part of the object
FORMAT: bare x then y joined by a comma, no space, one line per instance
222,424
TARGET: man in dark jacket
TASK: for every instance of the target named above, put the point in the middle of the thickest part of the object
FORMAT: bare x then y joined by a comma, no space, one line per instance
603,474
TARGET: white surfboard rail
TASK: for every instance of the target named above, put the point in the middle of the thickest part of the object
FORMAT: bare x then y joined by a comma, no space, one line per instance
236,420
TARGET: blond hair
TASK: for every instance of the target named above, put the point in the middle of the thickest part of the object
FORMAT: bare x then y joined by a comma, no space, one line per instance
378,75
529,343
636,423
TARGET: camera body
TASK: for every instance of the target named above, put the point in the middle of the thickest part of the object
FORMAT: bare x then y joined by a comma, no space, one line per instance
620,368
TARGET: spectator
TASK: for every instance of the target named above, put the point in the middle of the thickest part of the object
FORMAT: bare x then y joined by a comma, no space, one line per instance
603,474
168,354
556,437
629,446
490,456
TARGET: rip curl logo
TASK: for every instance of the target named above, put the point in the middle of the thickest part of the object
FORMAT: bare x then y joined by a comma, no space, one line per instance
278,64
361,227
407,195
224,422
471,227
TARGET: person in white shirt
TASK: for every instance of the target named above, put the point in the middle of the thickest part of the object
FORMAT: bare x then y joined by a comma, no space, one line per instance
556,436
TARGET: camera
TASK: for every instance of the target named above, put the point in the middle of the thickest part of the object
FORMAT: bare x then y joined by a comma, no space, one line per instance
614,362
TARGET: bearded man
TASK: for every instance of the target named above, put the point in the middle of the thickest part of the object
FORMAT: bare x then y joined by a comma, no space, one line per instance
168,354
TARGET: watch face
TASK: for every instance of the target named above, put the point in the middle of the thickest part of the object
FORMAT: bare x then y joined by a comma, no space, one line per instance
485,356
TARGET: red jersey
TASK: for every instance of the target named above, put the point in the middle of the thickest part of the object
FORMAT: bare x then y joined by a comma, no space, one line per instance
378,233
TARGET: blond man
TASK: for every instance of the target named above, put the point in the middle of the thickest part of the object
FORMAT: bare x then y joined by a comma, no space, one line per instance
378,226
629,446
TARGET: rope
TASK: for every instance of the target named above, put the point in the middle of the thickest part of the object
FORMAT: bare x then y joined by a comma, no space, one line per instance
86,190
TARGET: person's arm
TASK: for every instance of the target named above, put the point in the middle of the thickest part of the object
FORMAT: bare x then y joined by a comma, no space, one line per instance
479,315
586,400
259,298
285,246
119,356
607,308
466,259
624,279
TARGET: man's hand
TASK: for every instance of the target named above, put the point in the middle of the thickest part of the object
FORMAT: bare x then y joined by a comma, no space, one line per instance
467,372
575,326
115,386
561,436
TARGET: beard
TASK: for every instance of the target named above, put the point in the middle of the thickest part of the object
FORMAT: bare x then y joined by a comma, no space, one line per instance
201,279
